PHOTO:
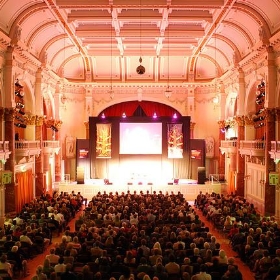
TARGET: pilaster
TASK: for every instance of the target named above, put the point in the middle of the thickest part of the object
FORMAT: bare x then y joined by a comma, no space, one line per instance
192,125
240,161
221,163
9,114
269,204
39,177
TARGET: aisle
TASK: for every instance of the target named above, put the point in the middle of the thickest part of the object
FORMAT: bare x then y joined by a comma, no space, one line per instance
39,259
244,269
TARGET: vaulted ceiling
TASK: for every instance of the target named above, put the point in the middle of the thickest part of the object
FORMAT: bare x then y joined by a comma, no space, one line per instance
178,41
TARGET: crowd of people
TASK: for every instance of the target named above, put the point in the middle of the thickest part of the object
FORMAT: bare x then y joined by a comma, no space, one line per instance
141,236
254,238
28,233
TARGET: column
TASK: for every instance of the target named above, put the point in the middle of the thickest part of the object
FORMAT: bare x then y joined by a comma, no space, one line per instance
40,187
2,187
9,114
87,129
249,129
240,164
192,125
269,205
221,163
54,126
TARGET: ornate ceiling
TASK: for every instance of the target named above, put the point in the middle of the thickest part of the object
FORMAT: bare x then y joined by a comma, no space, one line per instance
178,41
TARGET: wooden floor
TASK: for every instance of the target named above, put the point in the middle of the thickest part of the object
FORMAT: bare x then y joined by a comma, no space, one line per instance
246,273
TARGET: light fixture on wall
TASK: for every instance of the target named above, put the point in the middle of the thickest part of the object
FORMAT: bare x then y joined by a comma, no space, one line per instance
140,69
168,91
111,91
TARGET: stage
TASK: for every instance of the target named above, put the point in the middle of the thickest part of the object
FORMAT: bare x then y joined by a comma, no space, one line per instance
189,188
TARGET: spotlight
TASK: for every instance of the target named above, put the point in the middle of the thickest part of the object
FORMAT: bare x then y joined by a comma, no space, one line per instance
19,119
20,105
54,128
17,84
123,115
20,111
22,125
175,116
20,94
103,116
154,115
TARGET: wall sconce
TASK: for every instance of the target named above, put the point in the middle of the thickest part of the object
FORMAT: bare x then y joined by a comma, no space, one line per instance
154,115
103,116
123,115
175,116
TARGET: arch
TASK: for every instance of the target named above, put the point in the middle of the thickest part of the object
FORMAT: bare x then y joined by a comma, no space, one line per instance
136,108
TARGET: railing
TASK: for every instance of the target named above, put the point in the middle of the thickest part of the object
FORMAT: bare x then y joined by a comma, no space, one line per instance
216,178
50,144
275,146
228,143
4,146
24,145
254,144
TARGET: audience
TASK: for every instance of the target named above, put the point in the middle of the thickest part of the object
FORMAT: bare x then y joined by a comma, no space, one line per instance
146,236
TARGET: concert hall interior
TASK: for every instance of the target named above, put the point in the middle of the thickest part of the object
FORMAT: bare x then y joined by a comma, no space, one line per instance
140,95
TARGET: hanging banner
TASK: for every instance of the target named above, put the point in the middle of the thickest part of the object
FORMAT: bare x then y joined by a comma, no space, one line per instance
103,140
175,140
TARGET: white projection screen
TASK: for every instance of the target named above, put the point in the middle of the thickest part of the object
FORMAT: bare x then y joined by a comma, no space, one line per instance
140,138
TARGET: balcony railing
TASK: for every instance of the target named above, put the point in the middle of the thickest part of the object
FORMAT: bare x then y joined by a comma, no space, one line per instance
4,146
50,144
254,144
275,146
27,145
228,143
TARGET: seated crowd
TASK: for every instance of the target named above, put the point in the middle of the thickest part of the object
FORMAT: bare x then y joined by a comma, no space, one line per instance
28,233
255,239
138,236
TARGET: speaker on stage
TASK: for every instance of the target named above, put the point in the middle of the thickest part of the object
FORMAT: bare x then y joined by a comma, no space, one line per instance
201,175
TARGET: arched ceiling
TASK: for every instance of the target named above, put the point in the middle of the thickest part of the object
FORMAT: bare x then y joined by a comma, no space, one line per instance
178,40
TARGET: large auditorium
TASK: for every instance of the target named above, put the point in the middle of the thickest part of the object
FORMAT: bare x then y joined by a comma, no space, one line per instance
114,164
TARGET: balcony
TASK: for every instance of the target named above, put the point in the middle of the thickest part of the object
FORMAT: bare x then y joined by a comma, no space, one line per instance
228,147
51,147
253,148
27,148
275,151
4,150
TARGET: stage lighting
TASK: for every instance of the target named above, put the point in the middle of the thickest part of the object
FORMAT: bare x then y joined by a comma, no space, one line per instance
22,125
154,115
20,94
20,111
103,116
19,119
20,105
175,116
54,128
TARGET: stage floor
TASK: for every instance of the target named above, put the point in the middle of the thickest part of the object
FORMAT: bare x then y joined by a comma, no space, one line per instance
189,188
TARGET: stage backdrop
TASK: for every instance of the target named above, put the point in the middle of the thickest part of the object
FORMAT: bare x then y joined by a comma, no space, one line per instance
149,166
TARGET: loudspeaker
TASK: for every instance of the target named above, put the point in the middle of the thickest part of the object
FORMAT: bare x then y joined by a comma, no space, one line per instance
201,175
